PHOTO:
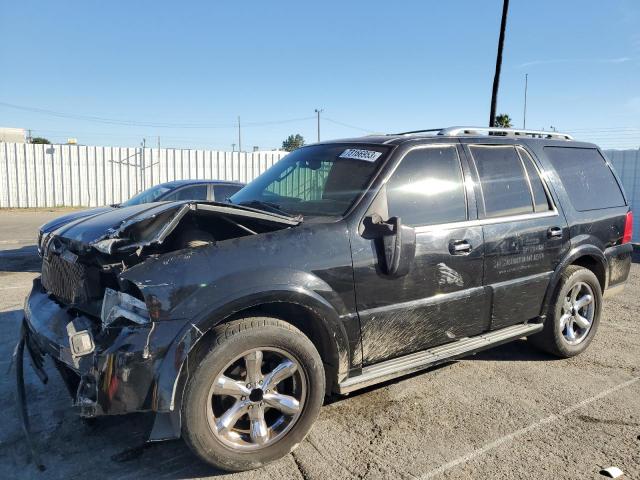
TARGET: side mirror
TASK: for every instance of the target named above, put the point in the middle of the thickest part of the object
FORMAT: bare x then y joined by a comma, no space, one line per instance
396,244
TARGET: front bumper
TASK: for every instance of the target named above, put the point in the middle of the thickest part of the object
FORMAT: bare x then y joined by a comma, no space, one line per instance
117,375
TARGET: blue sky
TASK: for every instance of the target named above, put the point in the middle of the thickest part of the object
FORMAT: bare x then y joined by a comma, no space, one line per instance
377,66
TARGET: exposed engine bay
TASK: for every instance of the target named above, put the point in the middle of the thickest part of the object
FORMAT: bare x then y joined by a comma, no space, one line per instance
81,274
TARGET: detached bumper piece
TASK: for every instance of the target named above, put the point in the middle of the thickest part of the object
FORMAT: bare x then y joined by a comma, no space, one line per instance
22,397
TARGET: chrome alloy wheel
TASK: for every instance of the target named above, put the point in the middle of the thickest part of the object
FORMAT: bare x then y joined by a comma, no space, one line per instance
578,310
256,399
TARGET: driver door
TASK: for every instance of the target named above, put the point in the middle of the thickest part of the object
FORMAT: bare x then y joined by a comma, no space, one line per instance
441,298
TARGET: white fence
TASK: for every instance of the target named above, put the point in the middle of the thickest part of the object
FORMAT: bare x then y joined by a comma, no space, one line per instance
75,175
71,175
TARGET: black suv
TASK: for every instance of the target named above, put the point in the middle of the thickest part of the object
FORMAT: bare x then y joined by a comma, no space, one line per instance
346,264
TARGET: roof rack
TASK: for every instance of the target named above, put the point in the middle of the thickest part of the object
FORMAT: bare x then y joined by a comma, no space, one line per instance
504,132
430,130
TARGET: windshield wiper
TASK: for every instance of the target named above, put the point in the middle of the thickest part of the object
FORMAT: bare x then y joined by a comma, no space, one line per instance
262,205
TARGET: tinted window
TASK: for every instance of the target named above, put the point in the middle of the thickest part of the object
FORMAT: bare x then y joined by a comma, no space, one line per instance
541,202
318,180
147,196
427,188
223,192
196,192
505,189
586,177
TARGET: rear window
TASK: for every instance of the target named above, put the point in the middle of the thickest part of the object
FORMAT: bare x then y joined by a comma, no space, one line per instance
541,202
505,189
586,177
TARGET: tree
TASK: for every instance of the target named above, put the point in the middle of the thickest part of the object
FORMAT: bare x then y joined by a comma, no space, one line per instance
503,121
496,76
40,140
293,142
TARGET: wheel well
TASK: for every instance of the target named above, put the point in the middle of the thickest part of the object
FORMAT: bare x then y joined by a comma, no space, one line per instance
304,319
593,264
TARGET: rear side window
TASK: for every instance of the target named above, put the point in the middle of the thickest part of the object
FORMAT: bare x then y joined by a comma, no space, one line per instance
427,188
196,192
541,202
223,192
503,181
586,177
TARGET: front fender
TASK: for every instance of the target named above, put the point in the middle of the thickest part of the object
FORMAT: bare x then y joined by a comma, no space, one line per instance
173,373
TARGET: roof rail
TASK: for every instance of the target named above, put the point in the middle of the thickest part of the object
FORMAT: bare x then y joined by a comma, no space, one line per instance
429,130
505,132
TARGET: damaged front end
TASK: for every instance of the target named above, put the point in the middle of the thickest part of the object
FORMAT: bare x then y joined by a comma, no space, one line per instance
108,340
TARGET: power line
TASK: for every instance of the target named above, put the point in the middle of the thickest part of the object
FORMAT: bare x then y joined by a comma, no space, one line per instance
367,130
135,123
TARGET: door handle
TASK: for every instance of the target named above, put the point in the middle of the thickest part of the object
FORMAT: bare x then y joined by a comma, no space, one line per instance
459,247
554,232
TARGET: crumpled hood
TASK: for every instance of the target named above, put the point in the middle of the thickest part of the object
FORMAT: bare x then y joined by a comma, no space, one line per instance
146,224
101,222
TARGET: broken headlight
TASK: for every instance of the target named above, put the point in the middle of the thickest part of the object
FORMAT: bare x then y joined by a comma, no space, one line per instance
107,245
122,305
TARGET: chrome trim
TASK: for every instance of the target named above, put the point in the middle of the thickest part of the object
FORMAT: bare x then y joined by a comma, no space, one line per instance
486,221
422,302
414,362
506,132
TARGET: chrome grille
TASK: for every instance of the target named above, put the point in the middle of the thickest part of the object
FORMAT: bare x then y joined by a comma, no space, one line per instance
63,279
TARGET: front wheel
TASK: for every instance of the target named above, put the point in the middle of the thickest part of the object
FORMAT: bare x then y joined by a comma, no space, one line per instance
254,396
574,315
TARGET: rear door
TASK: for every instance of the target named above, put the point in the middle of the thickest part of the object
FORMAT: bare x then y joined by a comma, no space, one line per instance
525,234
441,299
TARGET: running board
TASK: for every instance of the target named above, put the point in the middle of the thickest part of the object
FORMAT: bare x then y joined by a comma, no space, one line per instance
397,367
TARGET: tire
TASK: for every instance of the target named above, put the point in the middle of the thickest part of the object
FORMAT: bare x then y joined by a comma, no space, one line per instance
561,323
262,433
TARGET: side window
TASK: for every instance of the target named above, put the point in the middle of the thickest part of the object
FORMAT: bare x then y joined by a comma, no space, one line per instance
427,188
586,177
541,201
223,192
503,181
196,192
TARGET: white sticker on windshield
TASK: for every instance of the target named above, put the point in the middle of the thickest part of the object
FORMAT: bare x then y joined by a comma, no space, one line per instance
357,154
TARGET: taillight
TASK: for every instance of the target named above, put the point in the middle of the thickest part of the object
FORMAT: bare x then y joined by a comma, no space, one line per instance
628,228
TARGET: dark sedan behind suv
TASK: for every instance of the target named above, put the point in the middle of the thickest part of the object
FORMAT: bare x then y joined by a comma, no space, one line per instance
346,264
213,190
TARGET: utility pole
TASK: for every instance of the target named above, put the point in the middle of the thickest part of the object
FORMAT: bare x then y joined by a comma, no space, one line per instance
143,164
158,143
318,112
526,84
496,76
239,135
233,147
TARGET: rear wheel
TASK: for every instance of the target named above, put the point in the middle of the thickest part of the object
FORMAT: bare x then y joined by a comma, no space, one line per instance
255,395
574,315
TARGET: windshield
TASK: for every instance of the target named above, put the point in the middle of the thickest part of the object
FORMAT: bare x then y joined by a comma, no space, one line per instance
147,196
321,180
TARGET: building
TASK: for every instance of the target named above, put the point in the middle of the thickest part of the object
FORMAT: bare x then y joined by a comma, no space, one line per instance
13,135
